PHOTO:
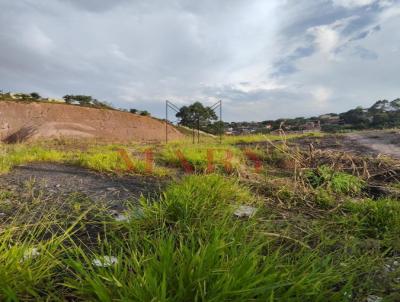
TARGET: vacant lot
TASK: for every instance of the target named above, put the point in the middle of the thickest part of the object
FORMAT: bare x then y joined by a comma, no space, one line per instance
386,143
258,218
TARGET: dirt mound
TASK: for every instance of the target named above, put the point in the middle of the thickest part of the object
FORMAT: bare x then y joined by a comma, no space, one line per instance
31,121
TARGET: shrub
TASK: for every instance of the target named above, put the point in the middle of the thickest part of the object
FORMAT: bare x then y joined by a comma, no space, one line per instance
338,182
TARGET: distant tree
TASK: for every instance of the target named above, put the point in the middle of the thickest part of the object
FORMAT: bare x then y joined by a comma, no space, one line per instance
216,128
69,99
132,110
357,117
100,104
379,106
196,114
395,104
145,113
83,100
35,95
96,103
380,120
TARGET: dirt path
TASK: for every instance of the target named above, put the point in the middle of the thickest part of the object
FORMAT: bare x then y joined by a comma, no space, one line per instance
56,180
370,143
377,142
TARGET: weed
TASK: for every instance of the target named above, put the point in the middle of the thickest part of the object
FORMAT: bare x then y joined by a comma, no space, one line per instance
338,182
324,198
376,218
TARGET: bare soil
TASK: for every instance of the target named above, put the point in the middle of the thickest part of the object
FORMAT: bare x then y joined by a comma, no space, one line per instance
56,180
370,143
21,122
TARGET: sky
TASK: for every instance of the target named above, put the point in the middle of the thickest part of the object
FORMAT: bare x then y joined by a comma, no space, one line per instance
265,59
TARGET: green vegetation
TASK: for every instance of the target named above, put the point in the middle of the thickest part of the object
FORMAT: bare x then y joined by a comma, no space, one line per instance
382,114
317,234
377,218
187,246
81,100
86,101
197,156
101,158
337,182
196,116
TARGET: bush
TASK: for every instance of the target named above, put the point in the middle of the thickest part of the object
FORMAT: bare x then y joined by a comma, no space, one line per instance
145,113
338,182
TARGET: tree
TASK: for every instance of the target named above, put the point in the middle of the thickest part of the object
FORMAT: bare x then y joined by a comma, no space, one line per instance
395,104
35,95
145,113
83,100
132,110
69,99
357,117
216,128
196,115
379,106
380,119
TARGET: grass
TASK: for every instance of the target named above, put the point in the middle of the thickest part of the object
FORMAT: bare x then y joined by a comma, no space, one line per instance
187,246
338,182
255,138
101,158
313,238
199,156
377,219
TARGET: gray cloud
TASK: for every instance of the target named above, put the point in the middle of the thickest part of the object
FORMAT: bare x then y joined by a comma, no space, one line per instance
264,59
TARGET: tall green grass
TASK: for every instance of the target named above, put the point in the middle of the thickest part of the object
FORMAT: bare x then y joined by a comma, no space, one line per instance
185,246
189,247
197,156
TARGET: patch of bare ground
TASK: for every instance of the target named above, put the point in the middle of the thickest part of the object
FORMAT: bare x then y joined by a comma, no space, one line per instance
23,122
59,181
364,143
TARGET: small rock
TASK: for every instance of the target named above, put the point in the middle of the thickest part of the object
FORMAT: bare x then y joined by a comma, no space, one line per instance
389,268
245,211
2,215
31,253
122,217
105,261
111,189
136,213
58,185
373,298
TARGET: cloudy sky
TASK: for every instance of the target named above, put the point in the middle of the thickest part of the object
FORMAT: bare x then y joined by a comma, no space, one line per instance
264,58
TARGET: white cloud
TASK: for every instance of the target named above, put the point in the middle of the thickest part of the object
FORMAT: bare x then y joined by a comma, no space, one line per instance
325,38
353,3
137,54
